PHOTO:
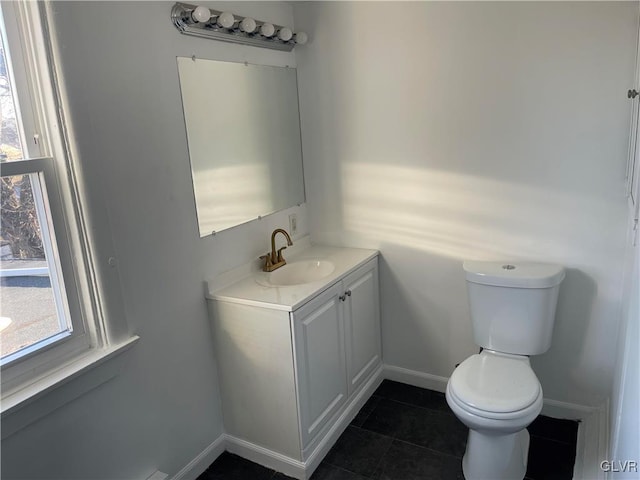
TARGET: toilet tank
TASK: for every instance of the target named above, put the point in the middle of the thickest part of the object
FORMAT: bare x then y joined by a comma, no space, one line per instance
513,305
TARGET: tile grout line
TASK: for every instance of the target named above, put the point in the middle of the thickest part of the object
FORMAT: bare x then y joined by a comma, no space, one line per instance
369,414
438,452
350,471
448,412
392,437
379,461
383,455
395,437
570,444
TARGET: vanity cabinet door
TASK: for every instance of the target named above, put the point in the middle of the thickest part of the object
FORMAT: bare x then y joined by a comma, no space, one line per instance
320,360
362,324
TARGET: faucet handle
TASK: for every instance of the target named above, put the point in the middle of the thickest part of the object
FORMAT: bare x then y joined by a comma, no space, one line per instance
280,259
267,261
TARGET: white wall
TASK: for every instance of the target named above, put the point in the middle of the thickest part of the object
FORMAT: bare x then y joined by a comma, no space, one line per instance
438,132
625,399
119,64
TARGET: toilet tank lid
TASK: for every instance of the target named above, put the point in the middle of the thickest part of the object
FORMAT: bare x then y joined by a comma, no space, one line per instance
514,274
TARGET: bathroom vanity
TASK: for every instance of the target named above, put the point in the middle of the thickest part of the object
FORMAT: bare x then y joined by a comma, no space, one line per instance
298,354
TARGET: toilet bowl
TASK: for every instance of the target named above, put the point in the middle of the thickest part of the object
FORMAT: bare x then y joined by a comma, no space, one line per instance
497,396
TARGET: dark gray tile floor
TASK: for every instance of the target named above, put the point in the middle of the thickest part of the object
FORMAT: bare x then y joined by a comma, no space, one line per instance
408,433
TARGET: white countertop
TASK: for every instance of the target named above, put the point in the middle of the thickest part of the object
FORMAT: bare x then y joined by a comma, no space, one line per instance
246,290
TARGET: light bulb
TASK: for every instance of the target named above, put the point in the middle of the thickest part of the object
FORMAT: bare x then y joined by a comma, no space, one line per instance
201,14
267,30
225,20
285,34
301,38
248,25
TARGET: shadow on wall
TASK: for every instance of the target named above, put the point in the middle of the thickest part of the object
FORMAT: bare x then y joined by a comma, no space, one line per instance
574,316
426,222
464,216
426,324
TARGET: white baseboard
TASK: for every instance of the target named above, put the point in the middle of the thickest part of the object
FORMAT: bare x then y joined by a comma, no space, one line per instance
551,408
593,444
198,465
570,411
415,378
265,457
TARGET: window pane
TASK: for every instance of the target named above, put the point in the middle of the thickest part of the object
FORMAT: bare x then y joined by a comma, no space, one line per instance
10,144
30,308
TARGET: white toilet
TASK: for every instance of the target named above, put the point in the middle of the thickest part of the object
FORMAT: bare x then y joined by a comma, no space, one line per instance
496,393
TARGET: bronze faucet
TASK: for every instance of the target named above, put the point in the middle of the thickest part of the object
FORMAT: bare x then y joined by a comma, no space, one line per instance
274,260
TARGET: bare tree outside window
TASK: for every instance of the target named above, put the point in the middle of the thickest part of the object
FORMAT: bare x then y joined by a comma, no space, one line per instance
27,304
19,224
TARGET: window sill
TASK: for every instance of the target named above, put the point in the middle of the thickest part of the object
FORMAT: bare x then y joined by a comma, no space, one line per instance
34,401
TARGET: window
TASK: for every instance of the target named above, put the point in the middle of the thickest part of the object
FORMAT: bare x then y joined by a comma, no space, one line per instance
47,307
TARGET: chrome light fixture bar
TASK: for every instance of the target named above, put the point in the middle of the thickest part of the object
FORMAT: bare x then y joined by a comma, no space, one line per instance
227,27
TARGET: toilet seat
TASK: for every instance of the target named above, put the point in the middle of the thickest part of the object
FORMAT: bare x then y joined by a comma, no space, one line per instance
495,385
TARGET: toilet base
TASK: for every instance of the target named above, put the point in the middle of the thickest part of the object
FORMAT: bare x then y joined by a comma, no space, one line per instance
496,457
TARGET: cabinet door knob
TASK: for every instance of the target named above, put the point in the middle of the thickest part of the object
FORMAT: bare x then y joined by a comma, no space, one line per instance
632,93
342,297
348,293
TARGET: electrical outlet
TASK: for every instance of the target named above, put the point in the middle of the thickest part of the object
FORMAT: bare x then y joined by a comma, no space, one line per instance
293,224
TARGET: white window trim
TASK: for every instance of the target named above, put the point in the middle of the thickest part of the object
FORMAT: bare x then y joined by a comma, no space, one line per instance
24,400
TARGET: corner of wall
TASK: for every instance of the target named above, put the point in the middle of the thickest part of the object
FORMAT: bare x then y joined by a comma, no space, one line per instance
201,462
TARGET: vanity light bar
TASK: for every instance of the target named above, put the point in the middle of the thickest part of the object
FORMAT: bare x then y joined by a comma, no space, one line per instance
227,27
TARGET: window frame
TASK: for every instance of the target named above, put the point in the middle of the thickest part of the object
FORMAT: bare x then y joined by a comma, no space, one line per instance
39,358
632,175
30,66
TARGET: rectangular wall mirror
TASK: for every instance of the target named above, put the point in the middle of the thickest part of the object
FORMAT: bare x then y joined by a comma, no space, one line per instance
243,130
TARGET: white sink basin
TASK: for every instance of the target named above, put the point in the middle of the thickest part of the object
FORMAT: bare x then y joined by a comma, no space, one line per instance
297,273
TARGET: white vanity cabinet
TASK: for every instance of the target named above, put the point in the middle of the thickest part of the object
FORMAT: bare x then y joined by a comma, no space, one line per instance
362,324
318,330
337,345
291,379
